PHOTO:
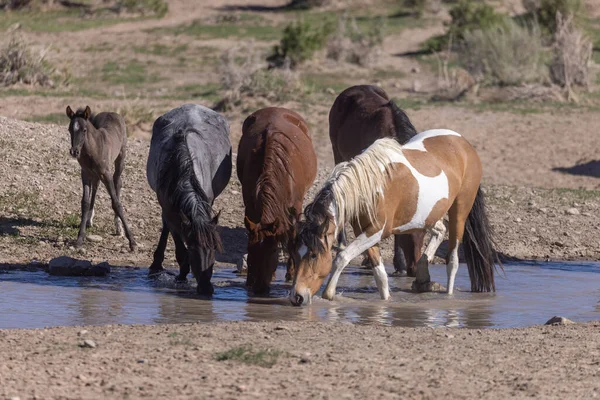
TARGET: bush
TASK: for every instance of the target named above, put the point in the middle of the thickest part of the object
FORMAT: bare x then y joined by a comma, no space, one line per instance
467,15
249,77
507,54
351,45
14,4
572,52
17,65
306,4
419,7
145,7
546,10
299,42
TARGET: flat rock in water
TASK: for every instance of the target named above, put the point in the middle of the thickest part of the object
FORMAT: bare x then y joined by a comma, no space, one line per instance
559,321
67,266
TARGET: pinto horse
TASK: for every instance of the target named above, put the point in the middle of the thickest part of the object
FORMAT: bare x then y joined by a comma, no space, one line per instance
359,116
189,165
276,165
393,189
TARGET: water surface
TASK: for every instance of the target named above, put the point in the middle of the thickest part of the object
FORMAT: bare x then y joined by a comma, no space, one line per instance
529,294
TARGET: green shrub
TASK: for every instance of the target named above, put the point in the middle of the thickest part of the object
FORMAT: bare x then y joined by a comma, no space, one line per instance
507,54
299,42
467,15
14,4
546,13
306,4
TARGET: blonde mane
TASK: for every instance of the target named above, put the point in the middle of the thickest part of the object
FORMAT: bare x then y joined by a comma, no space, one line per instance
357,184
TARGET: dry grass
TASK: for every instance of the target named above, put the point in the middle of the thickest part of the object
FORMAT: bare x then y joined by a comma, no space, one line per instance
19,65
572,52
506,55
138,117
350,44
247,76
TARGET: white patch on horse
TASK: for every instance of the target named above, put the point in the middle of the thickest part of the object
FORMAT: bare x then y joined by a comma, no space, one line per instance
431,190
381,280
302,251
416,142
75,126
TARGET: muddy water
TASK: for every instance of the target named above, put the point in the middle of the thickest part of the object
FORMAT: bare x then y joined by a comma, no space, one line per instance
527,295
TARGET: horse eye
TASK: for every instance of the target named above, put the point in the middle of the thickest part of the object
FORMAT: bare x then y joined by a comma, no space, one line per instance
313,256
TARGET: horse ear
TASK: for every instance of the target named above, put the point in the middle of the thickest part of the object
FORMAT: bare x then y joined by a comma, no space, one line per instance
215,220
70,112
87,113
251,226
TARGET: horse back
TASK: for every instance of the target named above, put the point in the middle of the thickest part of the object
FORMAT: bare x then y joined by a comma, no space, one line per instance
206,139
276,146
359,116
113,123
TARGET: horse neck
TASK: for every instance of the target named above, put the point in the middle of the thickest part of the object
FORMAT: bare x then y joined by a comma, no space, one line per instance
93,137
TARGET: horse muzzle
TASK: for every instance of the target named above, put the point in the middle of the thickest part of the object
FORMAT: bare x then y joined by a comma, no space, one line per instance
298,298
75,153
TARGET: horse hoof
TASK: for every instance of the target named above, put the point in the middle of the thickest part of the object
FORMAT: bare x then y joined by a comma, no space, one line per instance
422,287
205,290
327,295
181,279
288,277
398,273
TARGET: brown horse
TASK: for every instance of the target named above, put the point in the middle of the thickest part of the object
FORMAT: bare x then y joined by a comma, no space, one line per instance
276,165
99,142
393,189
359,116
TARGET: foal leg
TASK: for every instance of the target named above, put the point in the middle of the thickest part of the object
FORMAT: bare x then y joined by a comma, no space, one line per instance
360,244
423,282
85,207
119,166
118,209
90,221
159,253
400,267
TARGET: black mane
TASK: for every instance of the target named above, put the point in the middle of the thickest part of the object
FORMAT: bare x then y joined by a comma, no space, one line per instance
178,180
317,216
405,130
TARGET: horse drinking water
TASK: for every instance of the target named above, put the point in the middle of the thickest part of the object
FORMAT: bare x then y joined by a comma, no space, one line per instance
391,189
359,116
189,165
99,142
276,165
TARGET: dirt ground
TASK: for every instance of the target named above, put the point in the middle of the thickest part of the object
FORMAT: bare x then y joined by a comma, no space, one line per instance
311,361
541,177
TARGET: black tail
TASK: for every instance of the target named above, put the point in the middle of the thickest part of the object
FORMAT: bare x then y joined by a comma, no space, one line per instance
404,128
479,247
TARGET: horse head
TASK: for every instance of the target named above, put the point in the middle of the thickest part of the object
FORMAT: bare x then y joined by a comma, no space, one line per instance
78,128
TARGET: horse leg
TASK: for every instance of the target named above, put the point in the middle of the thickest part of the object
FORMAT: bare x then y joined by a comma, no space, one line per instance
379,272
437,237
118,209
458,214
423,282
90,221
181,255
159,253
291,267
400,267
119,166
85,207
359,245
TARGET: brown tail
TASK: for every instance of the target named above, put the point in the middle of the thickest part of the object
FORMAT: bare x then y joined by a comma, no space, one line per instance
479,247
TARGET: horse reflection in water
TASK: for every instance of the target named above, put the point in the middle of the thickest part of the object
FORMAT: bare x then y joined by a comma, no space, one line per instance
393,189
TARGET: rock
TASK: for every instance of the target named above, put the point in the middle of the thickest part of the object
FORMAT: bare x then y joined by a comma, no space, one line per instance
282,328
449,336
572,211
543,210
555,321
141,361
14,398
415,70
330,91
94,238
88,343
242,265
67,266
83,332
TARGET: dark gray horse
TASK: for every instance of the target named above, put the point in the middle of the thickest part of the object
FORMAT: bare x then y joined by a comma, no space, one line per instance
98,142
189,165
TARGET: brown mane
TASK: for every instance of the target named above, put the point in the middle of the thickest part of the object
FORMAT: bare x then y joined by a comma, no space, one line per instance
276,165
